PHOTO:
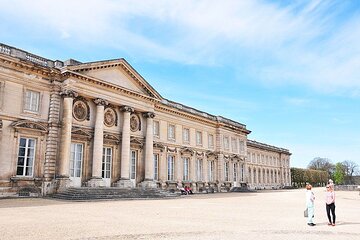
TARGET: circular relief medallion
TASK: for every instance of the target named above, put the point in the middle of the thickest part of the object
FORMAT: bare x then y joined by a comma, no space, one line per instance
134,123
109,117
80,111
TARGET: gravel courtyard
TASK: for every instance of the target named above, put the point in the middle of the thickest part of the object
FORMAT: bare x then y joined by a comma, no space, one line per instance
261,215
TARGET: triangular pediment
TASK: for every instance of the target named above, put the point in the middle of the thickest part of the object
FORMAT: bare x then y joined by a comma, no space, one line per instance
31,125
116,72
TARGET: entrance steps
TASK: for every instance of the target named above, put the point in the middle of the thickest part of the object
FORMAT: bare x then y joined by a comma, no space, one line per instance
102,193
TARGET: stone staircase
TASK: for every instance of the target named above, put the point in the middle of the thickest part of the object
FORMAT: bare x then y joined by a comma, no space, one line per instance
101,193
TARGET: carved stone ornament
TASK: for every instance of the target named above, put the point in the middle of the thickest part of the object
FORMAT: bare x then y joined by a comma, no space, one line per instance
81,111
148,115
134,123
26,124
186,150
69,93
110,117
127,109
101,102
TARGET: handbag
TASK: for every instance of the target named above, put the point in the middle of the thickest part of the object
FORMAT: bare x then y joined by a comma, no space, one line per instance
306,213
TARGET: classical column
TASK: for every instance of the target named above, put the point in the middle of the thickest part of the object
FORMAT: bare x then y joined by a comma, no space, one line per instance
96,178
125,149
149,152
64,164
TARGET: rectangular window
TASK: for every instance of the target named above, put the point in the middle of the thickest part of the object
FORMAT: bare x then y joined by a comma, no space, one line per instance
242,146
186,135
211,170
226,142
156,128
199,167
242,173
171,132
26,157
106,162
76,157
235,168
198,138
133,164
170,168
211,141
156,166
186,169
234,147
226,171
32,100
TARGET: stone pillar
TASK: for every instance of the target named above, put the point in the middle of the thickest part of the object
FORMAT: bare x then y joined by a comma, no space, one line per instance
192,171
96,178
220,170
149,152
64,164
124,181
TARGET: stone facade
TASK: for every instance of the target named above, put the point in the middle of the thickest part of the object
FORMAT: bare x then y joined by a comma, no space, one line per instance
100,124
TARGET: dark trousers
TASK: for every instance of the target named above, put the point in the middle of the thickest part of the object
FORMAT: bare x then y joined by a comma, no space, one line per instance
331,207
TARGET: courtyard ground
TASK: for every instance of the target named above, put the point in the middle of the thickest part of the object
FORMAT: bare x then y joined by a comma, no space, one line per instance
261,215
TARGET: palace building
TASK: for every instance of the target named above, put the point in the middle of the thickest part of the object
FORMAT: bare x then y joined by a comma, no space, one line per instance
100,124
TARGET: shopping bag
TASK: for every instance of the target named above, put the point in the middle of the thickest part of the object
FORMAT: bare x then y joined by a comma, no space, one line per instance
306,213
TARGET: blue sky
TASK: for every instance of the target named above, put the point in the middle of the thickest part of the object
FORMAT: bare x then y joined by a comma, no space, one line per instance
289,70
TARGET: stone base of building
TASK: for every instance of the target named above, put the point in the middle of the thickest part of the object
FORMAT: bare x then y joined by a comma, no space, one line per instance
63,183
96,182
48,187
148,184
124,183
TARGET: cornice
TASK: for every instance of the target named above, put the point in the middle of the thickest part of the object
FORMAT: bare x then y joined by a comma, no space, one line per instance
259,145
22,65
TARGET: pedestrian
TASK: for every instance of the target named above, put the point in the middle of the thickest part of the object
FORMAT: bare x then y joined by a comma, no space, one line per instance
310,198
330,204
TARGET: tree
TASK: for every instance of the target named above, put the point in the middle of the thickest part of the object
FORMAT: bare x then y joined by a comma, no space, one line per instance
350,169
339,174
323,164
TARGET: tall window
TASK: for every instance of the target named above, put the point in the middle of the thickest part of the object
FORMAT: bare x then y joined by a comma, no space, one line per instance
242,173
171,132
242,146
235,168
26,157
234,147
186,169
106,162
156,166
211,170
32,100
199,167
170,167
156,129
226,171
211,141
133,164
186,135
198,138
226,142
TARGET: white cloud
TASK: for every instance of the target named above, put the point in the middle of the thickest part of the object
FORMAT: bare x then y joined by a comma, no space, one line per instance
299,43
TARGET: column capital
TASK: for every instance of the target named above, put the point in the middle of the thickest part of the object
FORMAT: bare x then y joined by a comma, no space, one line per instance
126,109
148,115
68,93
100,102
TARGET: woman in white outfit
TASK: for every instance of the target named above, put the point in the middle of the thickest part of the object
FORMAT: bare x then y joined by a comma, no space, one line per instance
310,198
